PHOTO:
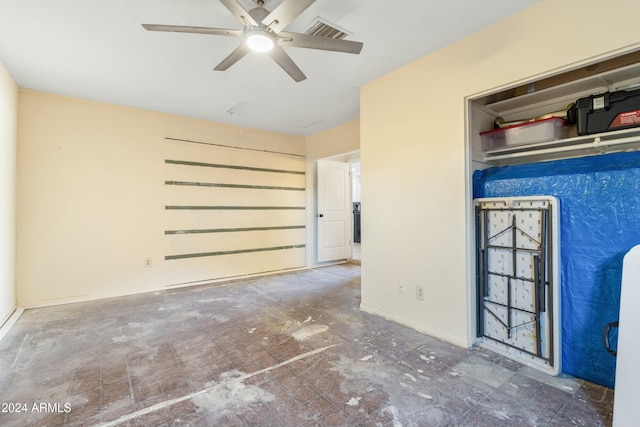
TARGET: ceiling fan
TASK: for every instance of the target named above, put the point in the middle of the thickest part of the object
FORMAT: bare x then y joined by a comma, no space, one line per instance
263,33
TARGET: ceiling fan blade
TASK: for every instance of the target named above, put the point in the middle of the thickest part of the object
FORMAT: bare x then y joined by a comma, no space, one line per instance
196,30
282,59
239,12
286,12
233,57
318,42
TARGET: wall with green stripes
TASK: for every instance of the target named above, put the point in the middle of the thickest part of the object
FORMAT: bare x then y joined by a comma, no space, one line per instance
115,201
232,211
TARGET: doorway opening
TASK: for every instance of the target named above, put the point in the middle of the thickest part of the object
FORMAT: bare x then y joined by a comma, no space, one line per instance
352,161
356,253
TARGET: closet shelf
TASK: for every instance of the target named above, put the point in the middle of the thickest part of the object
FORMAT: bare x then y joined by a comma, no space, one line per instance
601,143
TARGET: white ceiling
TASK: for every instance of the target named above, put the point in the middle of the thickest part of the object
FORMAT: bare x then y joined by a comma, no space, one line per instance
97,49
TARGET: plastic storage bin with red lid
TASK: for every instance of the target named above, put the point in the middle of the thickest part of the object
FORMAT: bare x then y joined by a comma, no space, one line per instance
533,132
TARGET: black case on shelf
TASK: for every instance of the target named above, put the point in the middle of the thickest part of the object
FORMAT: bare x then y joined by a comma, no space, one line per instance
606,112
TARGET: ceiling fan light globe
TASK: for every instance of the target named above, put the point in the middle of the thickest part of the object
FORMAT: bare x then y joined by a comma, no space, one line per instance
260,41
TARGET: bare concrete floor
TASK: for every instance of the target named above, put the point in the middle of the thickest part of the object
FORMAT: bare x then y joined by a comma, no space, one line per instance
287,350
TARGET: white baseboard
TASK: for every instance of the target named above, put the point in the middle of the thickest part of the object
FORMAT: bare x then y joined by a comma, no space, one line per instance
6,326
451,339
221,282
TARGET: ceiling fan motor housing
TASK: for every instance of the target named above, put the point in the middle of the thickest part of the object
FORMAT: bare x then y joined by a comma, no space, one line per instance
258,14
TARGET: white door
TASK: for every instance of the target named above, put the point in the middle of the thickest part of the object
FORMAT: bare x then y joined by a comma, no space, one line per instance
334,211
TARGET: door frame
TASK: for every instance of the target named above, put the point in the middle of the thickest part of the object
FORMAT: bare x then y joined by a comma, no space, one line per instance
312,208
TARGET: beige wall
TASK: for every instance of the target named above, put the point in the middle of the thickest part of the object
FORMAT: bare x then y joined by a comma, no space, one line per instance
8,140
92,197
414,161
339,140
333,142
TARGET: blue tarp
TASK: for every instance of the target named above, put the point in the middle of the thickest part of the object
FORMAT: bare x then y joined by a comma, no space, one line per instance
599,222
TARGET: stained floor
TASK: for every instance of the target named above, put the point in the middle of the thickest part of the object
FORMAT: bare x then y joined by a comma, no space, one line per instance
286,350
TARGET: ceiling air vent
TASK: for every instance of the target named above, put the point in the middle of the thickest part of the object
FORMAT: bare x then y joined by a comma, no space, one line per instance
322,28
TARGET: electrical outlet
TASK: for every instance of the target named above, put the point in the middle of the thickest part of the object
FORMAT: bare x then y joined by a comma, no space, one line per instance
420,292
401,287
147,263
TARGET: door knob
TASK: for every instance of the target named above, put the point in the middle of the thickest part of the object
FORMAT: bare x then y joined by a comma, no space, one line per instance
320,215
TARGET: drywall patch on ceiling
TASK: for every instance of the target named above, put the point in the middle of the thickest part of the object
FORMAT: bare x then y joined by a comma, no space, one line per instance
257,113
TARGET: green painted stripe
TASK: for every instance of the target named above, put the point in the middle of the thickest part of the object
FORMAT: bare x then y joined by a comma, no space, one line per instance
235,147
233,230
239,251
216,165
210,184
234,208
